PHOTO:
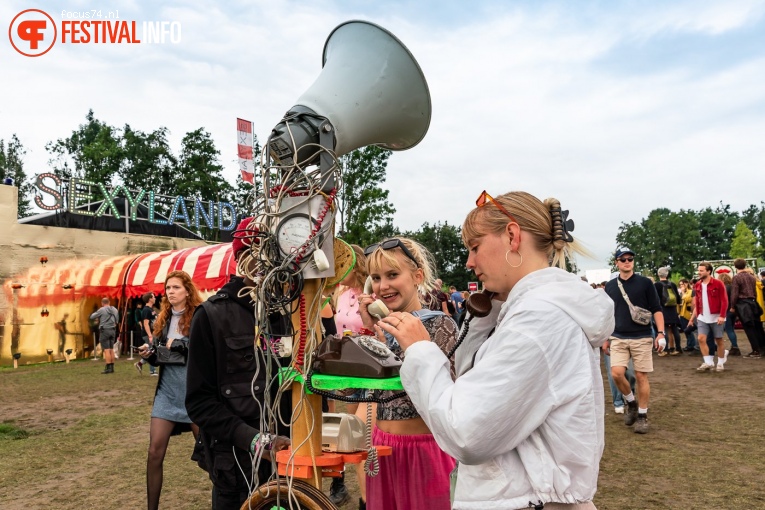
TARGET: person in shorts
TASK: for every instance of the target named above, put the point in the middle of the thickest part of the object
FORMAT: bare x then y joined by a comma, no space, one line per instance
108,318
631,340
710,309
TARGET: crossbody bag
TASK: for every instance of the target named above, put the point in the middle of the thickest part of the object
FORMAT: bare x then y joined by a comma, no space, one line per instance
639,315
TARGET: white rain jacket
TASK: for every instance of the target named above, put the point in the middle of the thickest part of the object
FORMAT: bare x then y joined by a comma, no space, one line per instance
526,422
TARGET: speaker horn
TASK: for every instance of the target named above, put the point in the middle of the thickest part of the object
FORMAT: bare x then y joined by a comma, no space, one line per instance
371,91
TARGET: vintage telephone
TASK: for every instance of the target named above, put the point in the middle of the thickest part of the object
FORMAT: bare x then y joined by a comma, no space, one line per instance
378,308
478,305
355,356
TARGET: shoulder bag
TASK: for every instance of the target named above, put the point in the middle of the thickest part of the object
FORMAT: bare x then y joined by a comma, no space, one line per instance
639,315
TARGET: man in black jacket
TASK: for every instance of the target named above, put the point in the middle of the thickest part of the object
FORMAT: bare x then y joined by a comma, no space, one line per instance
224,371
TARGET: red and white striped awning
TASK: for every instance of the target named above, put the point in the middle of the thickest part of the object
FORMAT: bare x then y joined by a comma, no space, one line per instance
208,266
126,275
70,280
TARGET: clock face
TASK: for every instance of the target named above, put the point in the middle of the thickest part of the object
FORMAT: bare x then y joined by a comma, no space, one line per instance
294,231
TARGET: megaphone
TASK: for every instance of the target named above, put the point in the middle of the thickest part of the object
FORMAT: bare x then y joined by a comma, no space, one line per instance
370,91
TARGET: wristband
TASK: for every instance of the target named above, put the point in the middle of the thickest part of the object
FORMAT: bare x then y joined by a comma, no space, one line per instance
254,444
368,332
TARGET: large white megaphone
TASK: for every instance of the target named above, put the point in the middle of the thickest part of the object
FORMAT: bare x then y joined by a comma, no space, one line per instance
370,91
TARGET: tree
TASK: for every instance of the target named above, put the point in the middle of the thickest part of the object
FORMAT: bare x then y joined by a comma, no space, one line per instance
364,209
11,165
744,243
716,227
92,152
148,162
444,241
754,217
199,174
664,238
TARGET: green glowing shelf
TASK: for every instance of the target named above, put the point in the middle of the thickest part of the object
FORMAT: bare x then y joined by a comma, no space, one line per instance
341,382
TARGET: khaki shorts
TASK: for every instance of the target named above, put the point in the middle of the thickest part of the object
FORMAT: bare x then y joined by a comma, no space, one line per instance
639,349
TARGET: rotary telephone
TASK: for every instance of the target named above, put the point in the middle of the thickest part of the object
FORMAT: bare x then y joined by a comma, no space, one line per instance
355,356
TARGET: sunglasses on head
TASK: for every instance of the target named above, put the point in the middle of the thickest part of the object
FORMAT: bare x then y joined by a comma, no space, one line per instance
485,198
626,259
389,244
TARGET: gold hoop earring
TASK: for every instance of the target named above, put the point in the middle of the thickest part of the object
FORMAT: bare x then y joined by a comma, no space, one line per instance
508,252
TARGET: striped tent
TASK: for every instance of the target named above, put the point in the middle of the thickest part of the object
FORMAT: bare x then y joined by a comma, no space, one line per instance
121,276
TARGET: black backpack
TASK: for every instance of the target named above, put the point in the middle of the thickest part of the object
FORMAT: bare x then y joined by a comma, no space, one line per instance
668,295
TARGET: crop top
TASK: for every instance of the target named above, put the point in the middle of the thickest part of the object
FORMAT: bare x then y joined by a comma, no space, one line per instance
443,332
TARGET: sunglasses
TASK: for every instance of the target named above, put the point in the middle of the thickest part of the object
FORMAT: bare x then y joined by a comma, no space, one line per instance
485,198
389,244
626,259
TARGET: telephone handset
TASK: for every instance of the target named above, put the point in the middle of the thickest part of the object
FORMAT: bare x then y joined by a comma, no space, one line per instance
478,305
378,308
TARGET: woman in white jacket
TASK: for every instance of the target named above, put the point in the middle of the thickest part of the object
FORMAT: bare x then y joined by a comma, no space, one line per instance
525,422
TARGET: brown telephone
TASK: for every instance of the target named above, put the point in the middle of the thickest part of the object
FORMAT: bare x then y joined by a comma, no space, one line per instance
355,356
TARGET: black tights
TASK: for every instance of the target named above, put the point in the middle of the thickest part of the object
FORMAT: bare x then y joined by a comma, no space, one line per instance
159,437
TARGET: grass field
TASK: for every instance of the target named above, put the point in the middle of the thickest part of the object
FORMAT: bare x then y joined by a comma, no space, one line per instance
72,438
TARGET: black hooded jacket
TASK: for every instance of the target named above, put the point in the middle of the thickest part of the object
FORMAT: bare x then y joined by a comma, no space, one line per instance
221,367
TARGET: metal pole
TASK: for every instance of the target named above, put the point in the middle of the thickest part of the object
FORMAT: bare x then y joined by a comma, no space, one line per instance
95,358
131,345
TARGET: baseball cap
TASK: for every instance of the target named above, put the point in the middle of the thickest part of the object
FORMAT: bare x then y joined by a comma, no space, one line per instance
623,250
242,236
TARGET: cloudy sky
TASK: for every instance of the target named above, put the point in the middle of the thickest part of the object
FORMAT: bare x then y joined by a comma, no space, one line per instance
615,108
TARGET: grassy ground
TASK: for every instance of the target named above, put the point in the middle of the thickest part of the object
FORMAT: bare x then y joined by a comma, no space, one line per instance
72,438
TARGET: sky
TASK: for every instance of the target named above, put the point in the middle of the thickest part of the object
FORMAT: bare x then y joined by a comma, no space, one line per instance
614,108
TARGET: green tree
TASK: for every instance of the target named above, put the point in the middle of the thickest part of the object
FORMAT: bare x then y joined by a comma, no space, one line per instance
200,174
11,165
664,238
92,152
716,227
444,241
744,243
754,217
148,162
364,210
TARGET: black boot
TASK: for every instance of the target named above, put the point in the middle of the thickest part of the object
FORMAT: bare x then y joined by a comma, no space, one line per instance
362,504
109,369
338,493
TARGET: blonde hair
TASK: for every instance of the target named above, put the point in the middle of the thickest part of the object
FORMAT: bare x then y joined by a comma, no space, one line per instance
359,273
540,219
424,258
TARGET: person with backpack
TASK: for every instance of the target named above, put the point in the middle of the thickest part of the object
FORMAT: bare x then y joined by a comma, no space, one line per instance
669,297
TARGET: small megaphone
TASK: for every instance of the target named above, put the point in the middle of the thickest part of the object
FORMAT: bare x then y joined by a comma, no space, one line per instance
371,91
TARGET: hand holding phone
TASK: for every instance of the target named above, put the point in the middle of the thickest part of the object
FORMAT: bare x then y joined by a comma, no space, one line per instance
378,308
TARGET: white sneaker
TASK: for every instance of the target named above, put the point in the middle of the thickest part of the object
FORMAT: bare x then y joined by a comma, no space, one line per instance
619,409
720,368
705,367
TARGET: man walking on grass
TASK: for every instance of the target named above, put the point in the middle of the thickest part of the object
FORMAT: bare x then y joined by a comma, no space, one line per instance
633,340
710,307
107,316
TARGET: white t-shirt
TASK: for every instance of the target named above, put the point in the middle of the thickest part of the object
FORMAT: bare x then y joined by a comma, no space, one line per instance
709,318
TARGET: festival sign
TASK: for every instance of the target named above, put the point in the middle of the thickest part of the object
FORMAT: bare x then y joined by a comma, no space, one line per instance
77,195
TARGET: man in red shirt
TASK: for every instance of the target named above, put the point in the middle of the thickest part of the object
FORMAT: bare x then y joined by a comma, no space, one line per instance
710,307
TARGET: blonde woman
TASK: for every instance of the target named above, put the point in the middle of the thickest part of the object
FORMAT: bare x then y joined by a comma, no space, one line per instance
525,421
416,475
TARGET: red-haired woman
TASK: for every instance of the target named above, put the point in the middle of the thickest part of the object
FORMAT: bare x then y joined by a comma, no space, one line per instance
168,416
